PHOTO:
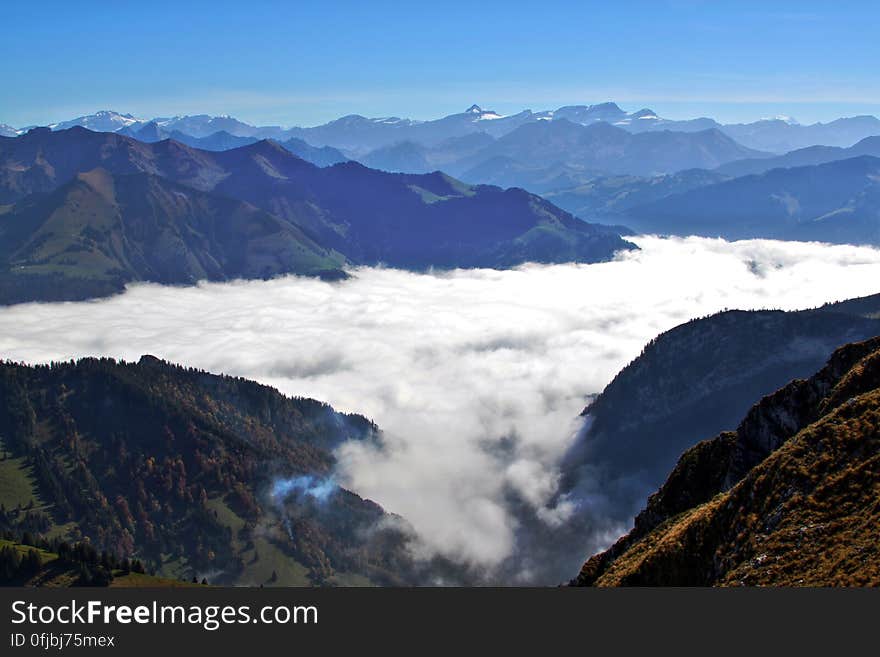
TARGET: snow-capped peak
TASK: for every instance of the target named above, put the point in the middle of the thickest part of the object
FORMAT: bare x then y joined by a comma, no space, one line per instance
115,117
790,120
102,121
483,115
8,131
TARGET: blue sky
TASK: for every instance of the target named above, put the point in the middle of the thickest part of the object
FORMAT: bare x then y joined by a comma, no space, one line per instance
302,63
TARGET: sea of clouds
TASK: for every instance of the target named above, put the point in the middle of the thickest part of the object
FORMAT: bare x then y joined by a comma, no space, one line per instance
476,377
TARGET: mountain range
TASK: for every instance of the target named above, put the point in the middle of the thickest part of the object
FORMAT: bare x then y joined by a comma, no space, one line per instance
599,163
611,196
194,473
358,135
802,157
224,141
93,235
549,150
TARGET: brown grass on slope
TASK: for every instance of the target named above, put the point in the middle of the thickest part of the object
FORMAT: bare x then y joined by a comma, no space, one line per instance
808,514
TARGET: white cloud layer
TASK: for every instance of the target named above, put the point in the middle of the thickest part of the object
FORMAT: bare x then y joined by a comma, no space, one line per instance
477,377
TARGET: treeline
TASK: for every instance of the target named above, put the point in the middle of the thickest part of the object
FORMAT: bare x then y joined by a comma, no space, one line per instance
16,566
24,519
92,568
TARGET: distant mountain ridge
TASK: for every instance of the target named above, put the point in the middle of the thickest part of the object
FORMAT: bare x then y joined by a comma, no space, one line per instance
545,152
327,216
599,162
802,157
544,156
781,136
358,134
224,141
837,201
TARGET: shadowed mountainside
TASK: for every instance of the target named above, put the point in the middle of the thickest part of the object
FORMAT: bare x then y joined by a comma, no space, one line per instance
696,380
693,381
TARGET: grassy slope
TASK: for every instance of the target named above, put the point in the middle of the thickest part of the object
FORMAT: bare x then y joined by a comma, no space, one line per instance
54,575
263,558
17,486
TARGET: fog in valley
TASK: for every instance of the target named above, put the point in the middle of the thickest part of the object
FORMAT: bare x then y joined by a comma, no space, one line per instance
476,377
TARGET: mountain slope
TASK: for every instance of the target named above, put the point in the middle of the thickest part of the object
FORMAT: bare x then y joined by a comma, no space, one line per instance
323,156
193,473
42,160
412,157
99,232
693,381
607,198
507,171
789,498
404,156
802,157
414,221
833,202
700,378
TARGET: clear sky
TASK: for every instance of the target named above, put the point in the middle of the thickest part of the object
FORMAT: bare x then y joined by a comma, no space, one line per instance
302,63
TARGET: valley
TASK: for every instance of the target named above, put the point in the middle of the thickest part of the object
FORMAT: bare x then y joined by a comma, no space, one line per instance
510,492
458,351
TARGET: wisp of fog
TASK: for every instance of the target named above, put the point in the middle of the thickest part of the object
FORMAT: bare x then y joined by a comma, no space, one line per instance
476,377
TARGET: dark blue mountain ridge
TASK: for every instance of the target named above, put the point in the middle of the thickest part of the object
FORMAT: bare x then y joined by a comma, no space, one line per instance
365,216
836,202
